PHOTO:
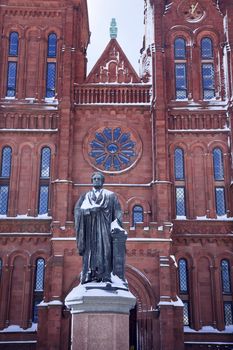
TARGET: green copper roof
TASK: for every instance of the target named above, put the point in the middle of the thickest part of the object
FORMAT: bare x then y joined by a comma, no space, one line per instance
113,29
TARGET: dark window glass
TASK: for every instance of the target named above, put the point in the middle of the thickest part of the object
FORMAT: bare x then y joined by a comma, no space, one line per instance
186,313
45,162
206,48
180,201
13,44
137,214
39,280
38,287
208,81
52,45
6,162
220,201
11,79
51,79
226,278
4,193
228,314
218,164
183,276
180,48
179,164
43,199
181,81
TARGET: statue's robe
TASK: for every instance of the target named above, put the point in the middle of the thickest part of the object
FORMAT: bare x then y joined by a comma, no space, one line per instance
93,218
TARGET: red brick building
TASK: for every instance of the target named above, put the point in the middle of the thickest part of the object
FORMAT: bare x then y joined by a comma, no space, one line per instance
163,141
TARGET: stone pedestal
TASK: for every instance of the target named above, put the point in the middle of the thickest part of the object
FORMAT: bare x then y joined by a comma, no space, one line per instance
100,316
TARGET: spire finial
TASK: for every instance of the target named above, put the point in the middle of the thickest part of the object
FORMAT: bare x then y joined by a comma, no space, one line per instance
113,29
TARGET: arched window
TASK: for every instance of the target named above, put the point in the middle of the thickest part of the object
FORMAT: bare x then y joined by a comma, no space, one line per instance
45,165
13,44
226,292
207,65
179,164
218,164
137,214
12,64
38,287
52,45
219,176
180,48
206,48
5,173
183,288
180,68
51,65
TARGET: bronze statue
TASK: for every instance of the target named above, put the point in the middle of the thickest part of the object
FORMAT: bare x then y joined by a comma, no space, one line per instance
95,212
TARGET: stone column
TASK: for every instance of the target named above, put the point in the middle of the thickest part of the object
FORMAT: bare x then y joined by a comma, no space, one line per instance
100,316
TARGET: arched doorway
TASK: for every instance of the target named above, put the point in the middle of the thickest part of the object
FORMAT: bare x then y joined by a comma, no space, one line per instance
143,317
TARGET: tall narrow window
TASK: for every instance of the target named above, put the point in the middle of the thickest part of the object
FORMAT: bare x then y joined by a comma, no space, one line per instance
5,173
12,64
38,287
220,201
183,288
180,201
45,164
180,48
179,164
51,65
207,67
226,292
183,276
180,68
137,214
218,164
179,176
225,274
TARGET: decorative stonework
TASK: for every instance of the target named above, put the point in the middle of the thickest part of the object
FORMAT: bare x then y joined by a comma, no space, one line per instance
191,11
14,11
113,67
24,226
113,150
142,252
198,121
29,121
202,227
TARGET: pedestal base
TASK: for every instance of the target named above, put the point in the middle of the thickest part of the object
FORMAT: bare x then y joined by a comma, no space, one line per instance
100,317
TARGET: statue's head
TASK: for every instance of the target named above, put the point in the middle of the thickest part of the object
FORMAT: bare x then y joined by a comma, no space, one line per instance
97,179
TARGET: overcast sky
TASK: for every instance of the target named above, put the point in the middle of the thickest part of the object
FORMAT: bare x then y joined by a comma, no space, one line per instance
129,18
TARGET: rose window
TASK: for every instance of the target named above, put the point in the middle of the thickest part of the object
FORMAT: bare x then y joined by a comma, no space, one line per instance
113,149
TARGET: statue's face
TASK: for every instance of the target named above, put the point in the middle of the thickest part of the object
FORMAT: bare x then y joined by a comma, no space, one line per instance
97,181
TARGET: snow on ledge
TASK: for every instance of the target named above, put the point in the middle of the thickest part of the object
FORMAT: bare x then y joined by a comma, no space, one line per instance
18,329
25,216
204,217
208,329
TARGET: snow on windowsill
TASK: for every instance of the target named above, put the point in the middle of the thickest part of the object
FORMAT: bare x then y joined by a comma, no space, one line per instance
18,329
204,217
25,216
208,329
